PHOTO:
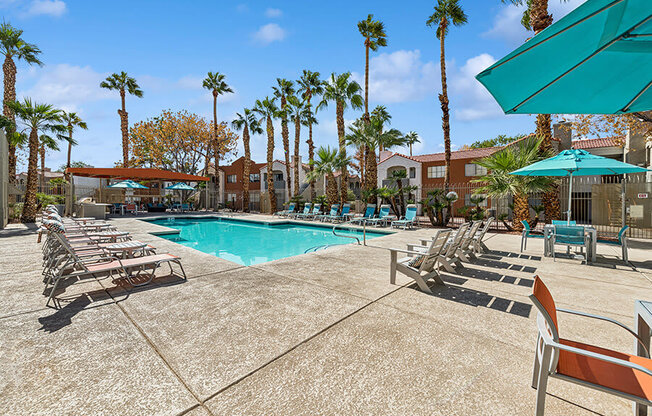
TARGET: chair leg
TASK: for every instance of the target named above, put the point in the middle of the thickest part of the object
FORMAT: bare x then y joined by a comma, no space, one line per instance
447,265
392,267
535,370
625,256
543,381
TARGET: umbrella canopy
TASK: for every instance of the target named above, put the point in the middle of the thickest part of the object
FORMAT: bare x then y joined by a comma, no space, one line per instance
180,186
595,60
129,184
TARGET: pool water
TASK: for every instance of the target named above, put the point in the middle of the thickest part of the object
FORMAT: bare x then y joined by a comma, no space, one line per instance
249,243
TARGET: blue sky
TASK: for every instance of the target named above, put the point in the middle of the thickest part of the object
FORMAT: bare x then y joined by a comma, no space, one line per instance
169,46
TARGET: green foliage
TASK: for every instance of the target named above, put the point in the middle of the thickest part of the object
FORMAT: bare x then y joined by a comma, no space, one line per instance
15,211
446,12
122,82
350,196
58,181
500,140
434,204
340,88
373,31
75,164
45,199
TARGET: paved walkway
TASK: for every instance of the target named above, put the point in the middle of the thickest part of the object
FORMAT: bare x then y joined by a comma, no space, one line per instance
320,333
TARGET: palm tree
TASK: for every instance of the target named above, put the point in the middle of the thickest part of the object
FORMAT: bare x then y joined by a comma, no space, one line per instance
72,120
446,12
298,111
309,86
371,136
249,125
35,118
327,163
374,35
380,112
411,138
124,84
13,46
397,177
215,82
45,143
498,181
267,110
283,90
344,92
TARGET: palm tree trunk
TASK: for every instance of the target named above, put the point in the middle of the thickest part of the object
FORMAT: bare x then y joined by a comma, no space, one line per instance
372,173
401,197
29,208
270,166
124,128
285,133
521,211
42,177
366,80
68,159
331,188
311,157
247,169
344,177
9,69
297,166
445,118
216,143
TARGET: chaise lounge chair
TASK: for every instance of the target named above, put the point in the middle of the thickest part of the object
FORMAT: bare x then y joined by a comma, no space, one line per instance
382,218
409,220
332,213
368,213
339,217
306,210
286,212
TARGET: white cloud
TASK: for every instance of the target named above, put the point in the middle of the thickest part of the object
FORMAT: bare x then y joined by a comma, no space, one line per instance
269,33
67,86
272,13
399,77
472,100
54,8
190,82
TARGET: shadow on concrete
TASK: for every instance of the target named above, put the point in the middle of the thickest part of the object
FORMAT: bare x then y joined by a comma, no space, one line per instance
494,276
504,265
27,229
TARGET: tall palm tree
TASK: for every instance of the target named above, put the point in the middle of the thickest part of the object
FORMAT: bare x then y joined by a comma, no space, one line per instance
45,143
329,160
249,125
499,182
371,136
344,92
267,111
310,85
124,84
447,12
282,91
13,46
374,35
380,113
215,82
300,114
72,120
411,138
35,118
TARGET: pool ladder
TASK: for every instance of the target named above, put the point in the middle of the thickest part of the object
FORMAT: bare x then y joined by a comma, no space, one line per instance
364,232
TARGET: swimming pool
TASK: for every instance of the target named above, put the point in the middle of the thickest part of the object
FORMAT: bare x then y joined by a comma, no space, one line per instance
252,242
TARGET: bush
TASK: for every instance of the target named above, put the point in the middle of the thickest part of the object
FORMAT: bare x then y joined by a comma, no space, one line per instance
350,196
45,199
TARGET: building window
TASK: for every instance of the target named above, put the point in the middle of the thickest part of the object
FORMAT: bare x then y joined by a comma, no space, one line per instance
254,197
231,197
231,179
413,173
278,177
471,169
436,171
254,177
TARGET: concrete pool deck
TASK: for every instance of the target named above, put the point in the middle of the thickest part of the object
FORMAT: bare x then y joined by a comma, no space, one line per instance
320,333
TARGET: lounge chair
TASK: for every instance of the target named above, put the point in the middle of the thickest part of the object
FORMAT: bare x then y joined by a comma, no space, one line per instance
332,213
306,210
620,242
339,217
368,213
527,233
316,209
383,216
465,251
478,245
286,212
562,222
422,266
448,257
621,374
409,220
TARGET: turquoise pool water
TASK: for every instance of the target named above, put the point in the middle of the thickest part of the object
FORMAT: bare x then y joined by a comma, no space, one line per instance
248,243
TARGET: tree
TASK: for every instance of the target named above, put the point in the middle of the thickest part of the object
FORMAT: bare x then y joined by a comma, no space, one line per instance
500,140
344,93
411,139
310,85
36,118
329,160
124,84
176,141
267,111
74,164
499,182
282,91
298,111
613,125
374,35
72,120
397,177
249,125
13,46
215,82
45,143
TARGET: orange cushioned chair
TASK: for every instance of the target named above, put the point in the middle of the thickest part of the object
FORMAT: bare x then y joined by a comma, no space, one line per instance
624,375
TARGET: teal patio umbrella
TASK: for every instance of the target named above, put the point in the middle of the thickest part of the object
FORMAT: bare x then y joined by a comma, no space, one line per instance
180,186
595,60
577,162
128,184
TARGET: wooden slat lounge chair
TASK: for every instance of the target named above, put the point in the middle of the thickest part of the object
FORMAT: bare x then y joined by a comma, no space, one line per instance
478,245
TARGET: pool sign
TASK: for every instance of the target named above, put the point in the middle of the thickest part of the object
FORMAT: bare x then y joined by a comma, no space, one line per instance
642,196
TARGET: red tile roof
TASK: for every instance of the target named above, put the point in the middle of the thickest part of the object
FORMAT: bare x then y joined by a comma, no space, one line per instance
458,154
596,143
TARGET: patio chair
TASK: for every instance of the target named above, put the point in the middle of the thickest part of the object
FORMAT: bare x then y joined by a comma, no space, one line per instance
569,236
478,245
316,209
527,233
369,212
448,257
339,217
131,208
422,266
383,216
286,212
621,374
465,251
562,222
620,242
332,213
306,210
408,220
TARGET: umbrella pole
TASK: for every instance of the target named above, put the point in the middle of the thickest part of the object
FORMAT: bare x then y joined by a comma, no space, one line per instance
570,193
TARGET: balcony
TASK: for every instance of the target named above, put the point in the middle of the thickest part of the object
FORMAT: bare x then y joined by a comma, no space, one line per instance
277,185
390,183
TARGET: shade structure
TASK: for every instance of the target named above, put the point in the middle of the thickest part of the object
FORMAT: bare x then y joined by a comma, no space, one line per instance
595,60
128,184
577,162
147,174
180,186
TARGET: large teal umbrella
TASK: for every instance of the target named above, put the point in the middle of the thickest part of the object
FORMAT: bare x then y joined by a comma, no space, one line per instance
128,184
577,162
595,60
180,186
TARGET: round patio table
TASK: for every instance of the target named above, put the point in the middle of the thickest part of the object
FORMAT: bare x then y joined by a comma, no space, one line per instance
128,249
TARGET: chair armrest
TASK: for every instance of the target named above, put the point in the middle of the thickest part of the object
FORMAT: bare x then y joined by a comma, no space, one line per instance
401,250
613,321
